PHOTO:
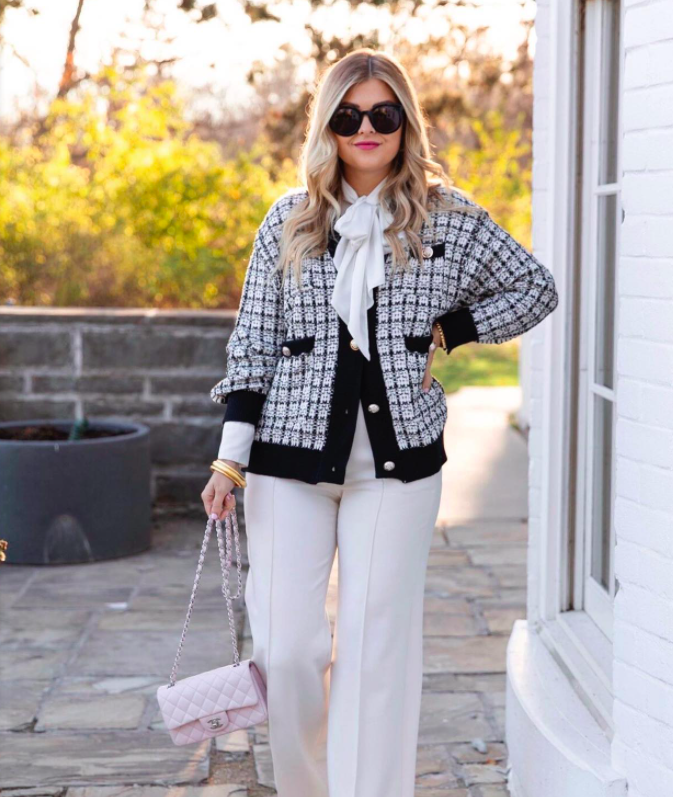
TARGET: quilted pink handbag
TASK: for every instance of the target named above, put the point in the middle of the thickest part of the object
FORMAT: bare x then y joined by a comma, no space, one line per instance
224,699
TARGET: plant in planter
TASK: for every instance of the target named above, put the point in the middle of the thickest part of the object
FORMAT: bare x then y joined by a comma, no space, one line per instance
74,491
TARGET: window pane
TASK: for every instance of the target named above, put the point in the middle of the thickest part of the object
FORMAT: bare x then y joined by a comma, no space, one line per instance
605,291
601,548
609,91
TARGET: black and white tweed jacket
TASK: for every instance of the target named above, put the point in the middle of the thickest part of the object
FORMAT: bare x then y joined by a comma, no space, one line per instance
291,371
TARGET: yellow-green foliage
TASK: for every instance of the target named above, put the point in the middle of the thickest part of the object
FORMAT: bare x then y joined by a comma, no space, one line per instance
497,172
119,203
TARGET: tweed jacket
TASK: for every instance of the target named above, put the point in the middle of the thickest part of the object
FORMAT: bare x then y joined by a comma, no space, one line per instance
293,371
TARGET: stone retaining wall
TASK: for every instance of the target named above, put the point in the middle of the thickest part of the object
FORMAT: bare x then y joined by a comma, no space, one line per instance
152,366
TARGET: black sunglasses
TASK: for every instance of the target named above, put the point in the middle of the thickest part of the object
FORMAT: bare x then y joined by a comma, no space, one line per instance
385,117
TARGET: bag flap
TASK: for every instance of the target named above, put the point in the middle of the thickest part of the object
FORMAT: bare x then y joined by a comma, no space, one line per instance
201,695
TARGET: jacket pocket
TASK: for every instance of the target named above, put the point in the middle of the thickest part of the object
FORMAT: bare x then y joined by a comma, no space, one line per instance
418,343
294,346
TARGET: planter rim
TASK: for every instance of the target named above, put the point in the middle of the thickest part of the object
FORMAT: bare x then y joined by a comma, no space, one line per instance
134,429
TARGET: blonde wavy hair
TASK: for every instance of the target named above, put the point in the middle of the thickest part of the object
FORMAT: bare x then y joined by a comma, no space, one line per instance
413,185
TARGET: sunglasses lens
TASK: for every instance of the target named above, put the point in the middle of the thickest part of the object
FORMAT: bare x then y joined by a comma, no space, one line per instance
387,118
345,121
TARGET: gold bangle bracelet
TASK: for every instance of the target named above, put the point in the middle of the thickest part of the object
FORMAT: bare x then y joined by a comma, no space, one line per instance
219,466
236,481
441,334
227,470
224,464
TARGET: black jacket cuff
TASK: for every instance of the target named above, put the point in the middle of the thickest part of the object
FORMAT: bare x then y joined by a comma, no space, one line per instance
243,405
458,327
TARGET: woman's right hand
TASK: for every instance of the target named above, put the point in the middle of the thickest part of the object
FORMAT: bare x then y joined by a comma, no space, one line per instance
218,496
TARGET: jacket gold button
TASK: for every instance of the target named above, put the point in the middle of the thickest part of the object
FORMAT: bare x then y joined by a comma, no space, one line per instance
427,251
373,408
287,351
354,346
388,465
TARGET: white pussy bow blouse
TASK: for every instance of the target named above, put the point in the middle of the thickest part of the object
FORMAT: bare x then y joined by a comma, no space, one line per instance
359,259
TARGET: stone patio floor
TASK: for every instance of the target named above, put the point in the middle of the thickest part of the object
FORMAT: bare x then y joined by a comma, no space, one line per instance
84,647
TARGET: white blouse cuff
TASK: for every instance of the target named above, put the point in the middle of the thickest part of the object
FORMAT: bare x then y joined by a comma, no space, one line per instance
236,441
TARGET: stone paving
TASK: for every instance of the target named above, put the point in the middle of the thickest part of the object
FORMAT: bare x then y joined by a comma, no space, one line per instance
84,647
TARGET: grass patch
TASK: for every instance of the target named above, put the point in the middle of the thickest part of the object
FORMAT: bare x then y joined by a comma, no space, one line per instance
484,364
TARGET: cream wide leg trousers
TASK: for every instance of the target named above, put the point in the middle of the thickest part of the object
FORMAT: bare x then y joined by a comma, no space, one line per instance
343,718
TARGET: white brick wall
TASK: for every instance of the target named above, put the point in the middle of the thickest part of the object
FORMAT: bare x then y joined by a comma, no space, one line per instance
642,748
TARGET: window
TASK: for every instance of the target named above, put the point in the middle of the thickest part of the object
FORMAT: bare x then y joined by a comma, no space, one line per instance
573,607
593,581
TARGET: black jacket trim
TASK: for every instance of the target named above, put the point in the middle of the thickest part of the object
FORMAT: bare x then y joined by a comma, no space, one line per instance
313,466
418,343
458,326
299,345
438,248
243,405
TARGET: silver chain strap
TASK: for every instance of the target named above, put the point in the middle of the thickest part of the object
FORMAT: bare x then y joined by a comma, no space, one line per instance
224,548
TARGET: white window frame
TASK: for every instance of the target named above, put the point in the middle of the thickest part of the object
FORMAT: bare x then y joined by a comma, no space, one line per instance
580,645
588,594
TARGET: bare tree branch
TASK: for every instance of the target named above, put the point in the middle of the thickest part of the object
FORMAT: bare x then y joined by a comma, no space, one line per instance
68,76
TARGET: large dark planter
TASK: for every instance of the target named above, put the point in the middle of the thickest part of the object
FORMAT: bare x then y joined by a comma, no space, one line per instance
75,501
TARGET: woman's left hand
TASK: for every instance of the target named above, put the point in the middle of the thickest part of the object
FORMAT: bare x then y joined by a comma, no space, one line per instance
436,342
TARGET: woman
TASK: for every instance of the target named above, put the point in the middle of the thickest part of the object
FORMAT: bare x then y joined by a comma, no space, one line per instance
352,284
